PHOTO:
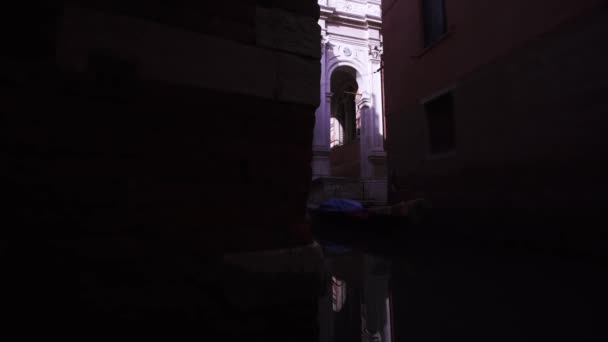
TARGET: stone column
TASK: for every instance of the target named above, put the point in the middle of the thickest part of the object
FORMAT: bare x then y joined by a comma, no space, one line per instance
375,54
364,103
372,154
320,167
377,143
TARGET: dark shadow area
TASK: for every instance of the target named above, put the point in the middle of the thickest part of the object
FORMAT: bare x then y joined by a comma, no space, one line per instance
157,167
466,287
144,145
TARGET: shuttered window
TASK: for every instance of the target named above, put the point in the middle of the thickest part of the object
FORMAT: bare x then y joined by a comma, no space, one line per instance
434,17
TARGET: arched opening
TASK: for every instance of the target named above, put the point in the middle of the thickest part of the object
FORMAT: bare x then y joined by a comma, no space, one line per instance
345,123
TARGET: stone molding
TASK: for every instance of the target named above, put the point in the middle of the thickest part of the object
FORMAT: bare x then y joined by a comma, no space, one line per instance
360,8
364,100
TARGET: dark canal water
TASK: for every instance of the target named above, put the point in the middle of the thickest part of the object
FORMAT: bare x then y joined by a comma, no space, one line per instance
395,288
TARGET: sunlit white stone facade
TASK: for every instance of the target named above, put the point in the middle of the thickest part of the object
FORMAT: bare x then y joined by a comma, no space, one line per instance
352,42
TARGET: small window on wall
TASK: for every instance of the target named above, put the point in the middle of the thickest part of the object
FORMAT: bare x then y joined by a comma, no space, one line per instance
440,123
434,20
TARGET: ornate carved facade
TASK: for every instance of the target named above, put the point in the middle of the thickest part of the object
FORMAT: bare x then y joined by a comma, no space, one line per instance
348,141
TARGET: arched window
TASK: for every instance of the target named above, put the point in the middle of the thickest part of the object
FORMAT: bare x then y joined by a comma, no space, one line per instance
345,124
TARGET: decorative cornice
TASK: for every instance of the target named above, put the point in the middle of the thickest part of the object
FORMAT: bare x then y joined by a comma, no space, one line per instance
353,20
358,13
343,39
361,8
363,100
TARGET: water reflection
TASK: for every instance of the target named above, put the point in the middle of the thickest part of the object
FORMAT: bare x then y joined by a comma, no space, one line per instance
444,290
356,306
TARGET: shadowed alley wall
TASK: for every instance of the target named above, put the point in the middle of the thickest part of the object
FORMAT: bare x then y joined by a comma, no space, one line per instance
529,117
151,139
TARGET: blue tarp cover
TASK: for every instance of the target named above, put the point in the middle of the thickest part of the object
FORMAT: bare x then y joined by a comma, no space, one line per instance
340,205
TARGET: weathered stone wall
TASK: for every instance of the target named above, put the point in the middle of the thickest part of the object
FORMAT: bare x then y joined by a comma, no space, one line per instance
352,43
144,141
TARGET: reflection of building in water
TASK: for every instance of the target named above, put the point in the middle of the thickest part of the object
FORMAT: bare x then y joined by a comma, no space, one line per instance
364,313
376,299
348,138
338,294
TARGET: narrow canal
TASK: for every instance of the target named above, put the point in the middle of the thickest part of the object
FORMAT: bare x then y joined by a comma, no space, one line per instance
398,288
